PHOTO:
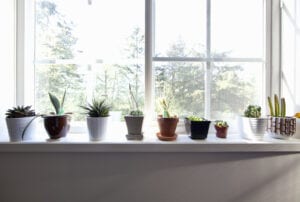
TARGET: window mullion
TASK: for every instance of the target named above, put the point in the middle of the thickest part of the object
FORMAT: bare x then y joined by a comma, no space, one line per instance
149,41
207,91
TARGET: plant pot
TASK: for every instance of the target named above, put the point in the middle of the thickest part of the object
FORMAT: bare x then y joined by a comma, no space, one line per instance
252,128
57,126
282,127
221,132
167,128
97,127
134,127
21,128
199,129
187,125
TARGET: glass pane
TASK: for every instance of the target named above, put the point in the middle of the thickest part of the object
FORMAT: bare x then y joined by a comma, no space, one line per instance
183,84
237,28
180,24
234,86
93,48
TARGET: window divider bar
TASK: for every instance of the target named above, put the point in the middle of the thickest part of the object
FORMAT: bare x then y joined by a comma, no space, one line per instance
196,59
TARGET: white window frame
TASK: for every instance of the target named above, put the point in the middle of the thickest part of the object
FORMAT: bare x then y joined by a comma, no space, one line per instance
25,53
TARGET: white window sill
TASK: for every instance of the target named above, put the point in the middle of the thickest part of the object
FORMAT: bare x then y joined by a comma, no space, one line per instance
150,143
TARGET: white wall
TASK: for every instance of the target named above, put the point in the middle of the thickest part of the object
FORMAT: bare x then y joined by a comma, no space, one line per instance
7,59
149,177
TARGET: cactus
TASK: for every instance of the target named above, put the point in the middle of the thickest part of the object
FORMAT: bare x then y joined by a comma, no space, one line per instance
253,111
270,106
280,109
165,107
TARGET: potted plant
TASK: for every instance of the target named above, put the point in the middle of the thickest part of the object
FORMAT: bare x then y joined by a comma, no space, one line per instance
252,126
221,128
167,123
197,126
57,124
279,125
134,120
19,123
97,117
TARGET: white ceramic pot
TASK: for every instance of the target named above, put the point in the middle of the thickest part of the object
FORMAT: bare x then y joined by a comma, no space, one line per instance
97,127
252,128
17,126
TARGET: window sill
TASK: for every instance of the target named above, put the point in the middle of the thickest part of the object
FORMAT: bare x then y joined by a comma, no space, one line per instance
150,143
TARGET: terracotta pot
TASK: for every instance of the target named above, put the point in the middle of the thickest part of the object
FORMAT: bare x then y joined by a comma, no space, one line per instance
221,132
57,126
167,126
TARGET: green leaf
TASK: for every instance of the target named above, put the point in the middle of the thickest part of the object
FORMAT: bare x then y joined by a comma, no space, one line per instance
55,103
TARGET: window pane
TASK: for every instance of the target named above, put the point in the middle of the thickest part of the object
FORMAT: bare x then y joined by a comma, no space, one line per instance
237,28
180,22
234,86
183,84
93,48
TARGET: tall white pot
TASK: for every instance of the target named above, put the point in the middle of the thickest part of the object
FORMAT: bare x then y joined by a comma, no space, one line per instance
16,127
97,127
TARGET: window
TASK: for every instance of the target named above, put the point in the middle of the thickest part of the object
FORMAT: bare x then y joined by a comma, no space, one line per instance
206,56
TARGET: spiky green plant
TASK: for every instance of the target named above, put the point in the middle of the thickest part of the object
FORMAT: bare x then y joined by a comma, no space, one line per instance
280,109
253,111
58,105
98,108
19,112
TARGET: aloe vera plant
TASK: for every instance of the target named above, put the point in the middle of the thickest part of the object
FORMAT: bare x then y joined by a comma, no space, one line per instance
279,108
58,105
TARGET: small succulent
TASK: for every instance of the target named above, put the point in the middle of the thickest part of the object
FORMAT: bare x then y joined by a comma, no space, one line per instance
19,112
221,124
196,118
253,111
58,105
134,102
136,113
97,108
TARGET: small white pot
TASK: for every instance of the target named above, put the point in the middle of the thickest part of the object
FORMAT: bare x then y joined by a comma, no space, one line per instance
252,128
16,127
97,127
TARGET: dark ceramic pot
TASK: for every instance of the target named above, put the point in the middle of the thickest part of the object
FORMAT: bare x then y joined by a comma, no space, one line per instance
221,132
167,126
199,129
57,126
